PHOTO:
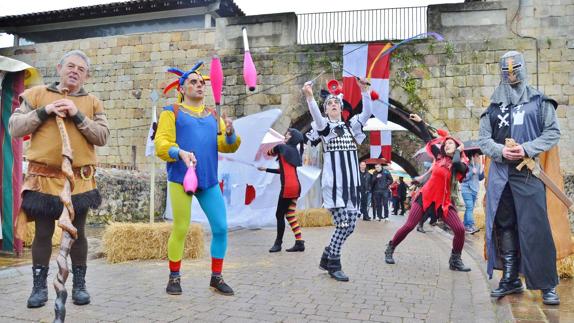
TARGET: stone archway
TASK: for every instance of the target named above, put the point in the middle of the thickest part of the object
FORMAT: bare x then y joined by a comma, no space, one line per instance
398,114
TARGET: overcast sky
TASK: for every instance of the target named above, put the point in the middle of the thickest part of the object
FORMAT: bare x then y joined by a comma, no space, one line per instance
250,7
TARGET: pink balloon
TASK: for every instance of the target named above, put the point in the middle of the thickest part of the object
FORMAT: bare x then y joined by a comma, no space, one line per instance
190,181
216,77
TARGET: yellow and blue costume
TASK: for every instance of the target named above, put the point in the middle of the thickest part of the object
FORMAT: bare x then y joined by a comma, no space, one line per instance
194,129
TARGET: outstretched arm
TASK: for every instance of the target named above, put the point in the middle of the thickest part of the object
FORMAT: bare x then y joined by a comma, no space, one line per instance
366,99
319,120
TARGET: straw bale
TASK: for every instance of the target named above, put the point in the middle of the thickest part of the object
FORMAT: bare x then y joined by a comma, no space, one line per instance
139,241
314,218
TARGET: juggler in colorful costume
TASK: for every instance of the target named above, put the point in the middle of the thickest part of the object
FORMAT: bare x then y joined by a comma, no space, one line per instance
194,129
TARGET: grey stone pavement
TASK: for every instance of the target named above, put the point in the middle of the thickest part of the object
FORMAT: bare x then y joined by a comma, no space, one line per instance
281,287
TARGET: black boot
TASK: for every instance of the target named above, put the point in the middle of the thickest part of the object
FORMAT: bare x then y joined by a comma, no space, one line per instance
550,297
510,282
335,269
420,228
80,295
220,286
174,285
324,258
276,246
39,295
389,253
299,246
455,262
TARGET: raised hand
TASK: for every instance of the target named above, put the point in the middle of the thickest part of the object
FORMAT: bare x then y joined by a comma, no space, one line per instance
415,117
228,124
364,85
308,90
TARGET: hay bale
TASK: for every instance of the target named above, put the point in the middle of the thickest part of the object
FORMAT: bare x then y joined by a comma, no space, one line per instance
138,241
31,232
314,218
566,267
480,219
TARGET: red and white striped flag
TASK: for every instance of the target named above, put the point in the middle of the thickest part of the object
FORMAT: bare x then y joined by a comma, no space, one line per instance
366,60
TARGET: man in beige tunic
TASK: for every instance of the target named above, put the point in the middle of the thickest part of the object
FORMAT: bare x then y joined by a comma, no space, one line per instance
87,127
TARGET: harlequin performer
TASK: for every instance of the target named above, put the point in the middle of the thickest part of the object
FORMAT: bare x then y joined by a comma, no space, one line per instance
187,137
289,159
340,175
450,166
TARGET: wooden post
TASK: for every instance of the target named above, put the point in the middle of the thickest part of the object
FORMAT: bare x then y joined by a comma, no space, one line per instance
154,97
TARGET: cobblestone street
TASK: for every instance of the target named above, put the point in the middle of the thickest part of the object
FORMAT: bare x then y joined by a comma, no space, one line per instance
279,287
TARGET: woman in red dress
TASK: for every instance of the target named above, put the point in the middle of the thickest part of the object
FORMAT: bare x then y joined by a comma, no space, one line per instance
435,196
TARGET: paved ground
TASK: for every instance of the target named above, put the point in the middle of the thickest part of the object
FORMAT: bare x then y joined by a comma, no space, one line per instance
527,307
280,287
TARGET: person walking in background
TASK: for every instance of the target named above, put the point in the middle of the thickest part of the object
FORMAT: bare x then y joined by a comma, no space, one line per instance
381,182
395,196
365,190
402,195
469,189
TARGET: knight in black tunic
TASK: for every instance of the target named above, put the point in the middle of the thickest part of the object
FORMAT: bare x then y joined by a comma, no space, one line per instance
518,234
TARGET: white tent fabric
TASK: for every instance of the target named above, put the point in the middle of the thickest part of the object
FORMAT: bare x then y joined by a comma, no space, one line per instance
374,124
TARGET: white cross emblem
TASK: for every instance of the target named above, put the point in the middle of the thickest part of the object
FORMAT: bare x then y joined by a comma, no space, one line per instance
503,109
503,122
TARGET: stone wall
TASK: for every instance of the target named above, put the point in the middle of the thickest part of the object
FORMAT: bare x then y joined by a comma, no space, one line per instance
125,196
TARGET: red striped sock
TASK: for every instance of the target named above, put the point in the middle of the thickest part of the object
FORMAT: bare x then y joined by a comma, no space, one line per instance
174,266
216,265
292,220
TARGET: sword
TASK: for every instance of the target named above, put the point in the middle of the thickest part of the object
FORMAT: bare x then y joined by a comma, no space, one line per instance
534,167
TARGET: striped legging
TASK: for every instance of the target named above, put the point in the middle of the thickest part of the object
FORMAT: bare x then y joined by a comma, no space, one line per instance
286,210
415,215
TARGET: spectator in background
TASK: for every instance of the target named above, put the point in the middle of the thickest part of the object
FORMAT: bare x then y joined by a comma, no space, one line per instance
469,189
365,190
395,196
381,182
402,195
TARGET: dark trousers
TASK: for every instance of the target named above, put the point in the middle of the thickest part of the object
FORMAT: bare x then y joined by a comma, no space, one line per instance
42,244
380,202
395,203
364,202
402,204
537,254
415,215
